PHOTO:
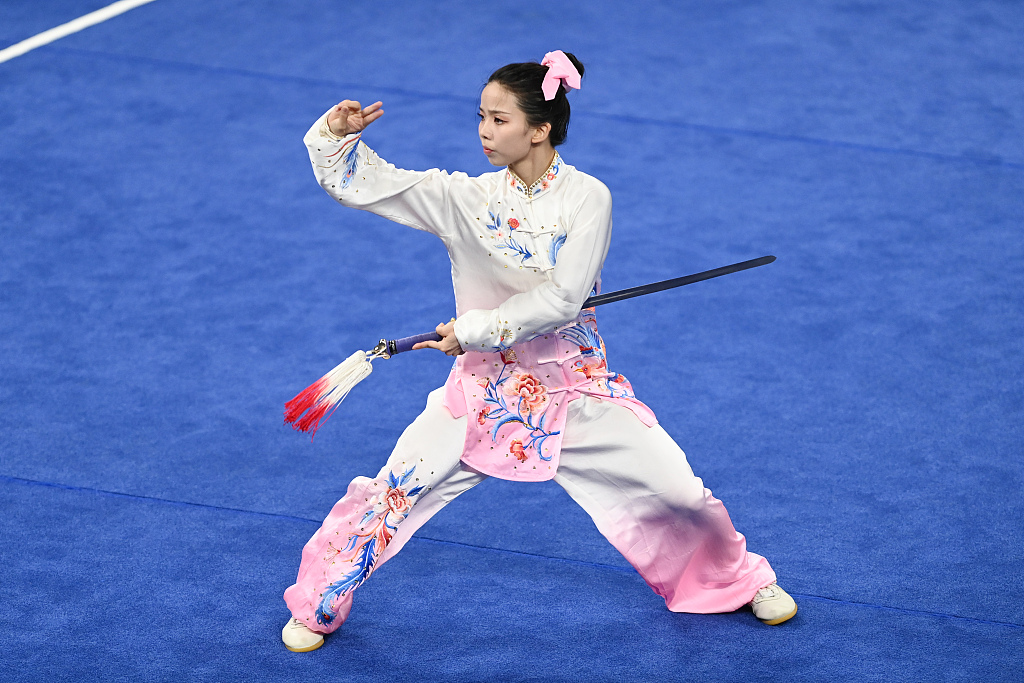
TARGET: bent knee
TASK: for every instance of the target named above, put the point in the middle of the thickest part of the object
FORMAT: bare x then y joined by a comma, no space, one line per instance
686,498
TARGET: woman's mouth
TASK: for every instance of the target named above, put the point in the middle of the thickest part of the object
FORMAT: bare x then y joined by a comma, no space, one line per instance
487,150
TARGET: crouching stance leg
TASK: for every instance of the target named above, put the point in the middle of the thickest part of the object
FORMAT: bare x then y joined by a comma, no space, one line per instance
636,484
374,520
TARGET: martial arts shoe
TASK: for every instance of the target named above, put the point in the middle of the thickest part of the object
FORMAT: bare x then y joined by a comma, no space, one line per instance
298,637
772,605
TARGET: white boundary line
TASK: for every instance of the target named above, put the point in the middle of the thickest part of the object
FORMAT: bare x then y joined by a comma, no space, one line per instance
73,26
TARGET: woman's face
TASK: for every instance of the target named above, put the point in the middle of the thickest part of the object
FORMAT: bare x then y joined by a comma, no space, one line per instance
504,132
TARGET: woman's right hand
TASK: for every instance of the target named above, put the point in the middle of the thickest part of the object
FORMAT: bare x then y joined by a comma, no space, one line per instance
349,117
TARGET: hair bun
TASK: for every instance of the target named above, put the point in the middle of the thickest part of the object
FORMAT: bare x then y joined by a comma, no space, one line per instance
575,62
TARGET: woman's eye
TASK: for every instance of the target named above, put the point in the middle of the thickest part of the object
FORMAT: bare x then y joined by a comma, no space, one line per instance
497,120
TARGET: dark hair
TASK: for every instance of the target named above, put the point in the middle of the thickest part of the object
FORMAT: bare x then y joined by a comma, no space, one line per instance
524,81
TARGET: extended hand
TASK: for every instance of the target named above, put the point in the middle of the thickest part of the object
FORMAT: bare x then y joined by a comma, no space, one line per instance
349,117
450,344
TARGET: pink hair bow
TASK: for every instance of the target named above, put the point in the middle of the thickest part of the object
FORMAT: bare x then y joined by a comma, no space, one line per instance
560,71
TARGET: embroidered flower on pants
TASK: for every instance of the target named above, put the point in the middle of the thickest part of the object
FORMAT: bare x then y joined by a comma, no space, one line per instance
364,546
528,388
397,502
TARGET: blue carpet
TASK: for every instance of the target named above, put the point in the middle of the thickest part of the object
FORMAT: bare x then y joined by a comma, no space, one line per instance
137,589
22,20
170,274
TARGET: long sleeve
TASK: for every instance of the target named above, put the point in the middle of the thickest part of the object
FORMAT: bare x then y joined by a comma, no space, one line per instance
355,176
556,301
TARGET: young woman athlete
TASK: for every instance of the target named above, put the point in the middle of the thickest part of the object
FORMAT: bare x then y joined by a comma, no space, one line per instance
530,396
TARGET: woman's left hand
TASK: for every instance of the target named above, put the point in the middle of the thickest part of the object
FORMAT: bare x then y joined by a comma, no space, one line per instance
449,344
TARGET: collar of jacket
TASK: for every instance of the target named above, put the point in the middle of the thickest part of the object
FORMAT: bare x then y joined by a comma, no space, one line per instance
541,185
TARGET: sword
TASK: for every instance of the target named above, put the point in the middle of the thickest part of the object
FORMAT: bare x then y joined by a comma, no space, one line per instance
311,408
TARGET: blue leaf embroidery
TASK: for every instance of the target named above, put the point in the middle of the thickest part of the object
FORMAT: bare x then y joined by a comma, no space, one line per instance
555,246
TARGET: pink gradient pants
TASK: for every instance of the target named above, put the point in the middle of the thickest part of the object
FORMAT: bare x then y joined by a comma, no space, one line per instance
633,480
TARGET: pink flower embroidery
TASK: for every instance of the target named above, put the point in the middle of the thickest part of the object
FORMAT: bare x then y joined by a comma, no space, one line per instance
513,223
529,390
482,415
397,502
508,356
516,449
483,382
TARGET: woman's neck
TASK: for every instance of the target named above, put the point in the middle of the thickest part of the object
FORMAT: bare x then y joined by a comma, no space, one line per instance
531,167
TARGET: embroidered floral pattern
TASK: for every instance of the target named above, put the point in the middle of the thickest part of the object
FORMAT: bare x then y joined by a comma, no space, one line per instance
504,334
363,548
529,390
593,362
510,243
397,501
517,399
619,387
541,185
346,158
516,449
556,245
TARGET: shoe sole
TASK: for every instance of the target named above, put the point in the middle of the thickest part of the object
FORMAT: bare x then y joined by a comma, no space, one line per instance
776,622
305,649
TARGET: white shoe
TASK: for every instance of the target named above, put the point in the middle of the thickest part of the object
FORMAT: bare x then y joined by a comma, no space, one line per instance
772,605
298,637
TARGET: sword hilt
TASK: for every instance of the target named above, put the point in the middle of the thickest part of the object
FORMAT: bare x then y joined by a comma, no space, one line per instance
386,348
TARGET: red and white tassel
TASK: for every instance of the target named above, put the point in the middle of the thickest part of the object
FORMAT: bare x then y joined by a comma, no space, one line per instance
311,408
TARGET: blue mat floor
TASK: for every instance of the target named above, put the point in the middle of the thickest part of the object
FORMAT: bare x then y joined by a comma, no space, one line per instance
170,274
119,587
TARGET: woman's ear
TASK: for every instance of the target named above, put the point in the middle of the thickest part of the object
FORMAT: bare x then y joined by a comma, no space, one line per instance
541,132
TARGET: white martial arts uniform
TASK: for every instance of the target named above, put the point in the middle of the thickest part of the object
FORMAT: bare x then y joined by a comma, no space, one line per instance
532,399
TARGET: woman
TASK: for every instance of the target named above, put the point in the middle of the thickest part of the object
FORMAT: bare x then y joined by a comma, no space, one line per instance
530,396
